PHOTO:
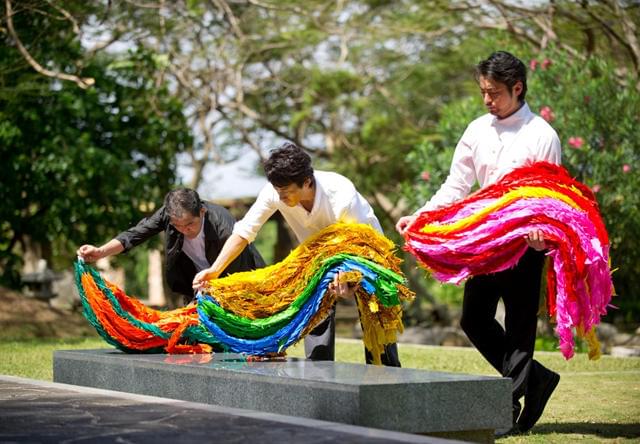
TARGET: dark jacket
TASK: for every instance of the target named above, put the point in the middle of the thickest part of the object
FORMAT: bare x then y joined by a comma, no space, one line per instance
180,270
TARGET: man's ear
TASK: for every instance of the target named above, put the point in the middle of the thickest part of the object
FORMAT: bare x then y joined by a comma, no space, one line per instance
203,210
307,182
517,88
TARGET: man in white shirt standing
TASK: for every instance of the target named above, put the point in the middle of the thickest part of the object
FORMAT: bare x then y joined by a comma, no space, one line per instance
509,136
309,201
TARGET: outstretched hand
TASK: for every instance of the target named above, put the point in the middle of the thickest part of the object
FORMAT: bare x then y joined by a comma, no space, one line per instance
89,253
200,280
404,223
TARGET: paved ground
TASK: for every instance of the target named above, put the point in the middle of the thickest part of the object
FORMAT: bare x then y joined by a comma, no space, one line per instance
37,411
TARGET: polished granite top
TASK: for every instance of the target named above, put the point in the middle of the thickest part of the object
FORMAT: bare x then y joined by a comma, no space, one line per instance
291,368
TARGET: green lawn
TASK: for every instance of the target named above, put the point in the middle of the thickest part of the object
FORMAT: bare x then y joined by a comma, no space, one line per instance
596,401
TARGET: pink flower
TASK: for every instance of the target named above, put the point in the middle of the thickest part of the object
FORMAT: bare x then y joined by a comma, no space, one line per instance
595,188
547,114
546,63
425,176
533,64
576,142
626,168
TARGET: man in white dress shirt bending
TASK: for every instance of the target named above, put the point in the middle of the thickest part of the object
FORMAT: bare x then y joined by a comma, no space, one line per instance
509,136
309,201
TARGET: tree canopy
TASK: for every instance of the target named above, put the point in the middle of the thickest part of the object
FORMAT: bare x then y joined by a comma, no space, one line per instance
378,90
78,163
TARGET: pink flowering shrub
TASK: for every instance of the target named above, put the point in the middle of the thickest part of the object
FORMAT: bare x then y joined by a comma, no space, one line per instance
598,123
576,142
547,114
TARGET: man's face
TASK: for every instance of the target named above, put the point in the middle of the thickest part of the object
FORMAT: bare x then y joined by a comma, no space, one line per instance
499,100
292,194
188,224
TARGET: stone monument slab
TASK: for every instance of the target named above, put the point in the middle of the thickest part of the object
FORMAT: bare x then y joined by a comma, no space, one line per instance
400,399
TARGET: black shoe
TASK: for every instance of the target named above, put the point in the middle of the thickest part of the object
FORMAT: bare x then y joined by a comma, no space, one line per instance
514,429
538,393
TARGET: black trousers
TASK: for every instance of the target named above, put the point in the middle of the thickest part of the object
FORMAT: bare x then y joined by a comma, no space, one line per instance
508,350
320,344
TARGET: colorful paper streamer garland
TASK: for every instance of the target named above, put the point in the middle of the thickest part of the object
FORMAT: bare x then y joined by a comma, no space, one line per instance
262,311
484,233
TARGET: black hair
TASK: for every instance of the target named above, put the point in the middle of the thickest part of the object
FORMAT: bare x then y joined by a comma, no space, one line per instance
182,200
506,68
288,164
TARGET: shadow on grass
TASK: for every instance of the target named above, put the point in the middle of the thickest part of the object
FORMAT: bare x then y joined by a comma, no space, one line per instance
595,429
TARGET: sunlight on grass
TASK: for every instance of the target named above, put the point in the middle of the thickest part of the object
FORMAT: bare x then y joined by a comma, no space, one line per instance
596,401
34,358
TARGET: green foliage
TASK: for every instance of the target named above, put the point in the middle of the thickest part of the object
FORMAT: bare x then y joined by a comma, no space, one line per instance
136,272
431,159
597,119
266,240
550,344
378,90
78,163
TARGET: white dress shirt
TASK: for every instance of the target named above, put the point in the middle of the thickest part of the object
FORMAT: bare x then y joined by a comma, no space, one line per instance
194,248
336,200
492,147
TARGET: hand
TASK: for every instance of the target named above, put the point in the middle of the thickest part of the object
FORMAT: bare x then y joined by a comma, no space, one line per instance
404,223
200,280
89,253
535,239
341,289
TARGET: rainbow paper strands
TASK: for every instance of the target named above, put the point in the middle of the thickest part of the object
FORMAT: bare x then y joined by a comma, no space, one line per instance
484,233
262,311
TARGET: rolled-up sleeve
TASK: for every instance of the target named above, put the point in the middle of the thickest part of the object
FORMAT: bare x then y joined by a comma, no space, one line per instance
261,210
146,228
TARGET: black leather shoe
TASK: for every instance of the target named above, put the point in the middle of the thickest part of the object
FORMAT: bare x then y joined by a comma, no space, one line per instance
514,429
538,393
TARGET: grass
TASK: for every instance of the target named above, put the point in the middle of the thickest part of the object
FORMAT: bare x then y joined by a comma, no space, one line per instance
33,358
596,401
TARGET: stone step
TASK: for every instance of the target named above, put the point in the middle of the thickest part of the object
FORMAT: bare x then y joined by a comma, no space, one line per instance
47,412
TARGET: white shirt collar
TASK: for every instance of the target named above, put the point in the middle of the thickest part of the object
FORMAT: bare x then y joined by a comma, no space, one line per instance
522,115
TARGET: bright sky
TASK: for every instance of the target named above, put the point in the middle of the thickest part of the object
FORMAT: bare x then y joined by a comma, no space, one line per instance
234,180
